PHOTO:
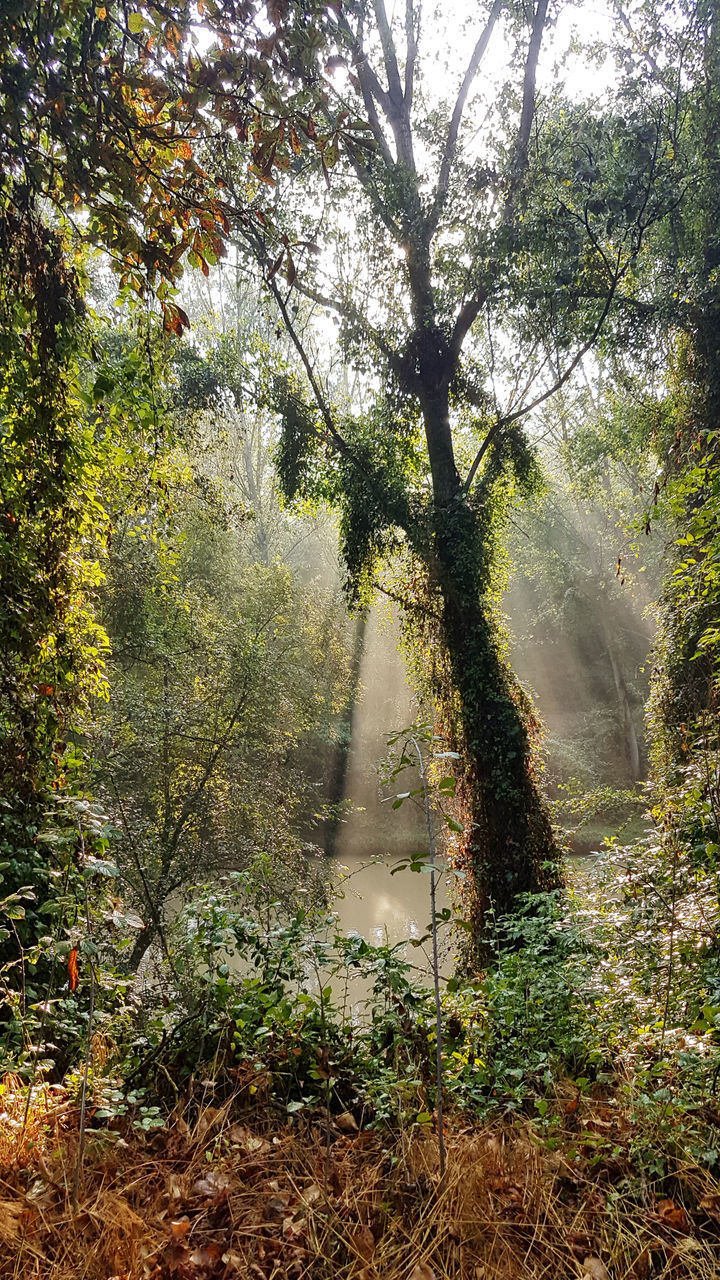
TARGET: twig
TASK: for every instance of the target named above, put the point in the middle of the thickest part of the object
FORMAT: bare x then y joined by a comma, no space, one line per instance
436,964
88,1046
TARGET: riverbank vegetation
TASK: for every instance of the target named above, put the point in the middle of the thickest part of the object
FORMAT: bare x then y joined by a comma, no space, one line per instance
313,316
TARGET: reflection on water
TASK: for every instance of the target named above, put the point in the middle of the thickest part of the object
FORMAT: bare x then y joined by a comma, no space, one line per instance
383,907
389,909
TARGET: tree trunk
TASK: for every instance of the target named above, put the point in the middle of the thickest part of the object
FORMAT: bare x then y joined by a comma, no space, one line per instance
143,943
630,738
341,761
508,848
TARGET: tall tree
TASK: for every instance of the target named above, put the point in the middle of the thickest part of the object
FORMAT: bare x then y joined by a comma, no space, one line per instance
417,253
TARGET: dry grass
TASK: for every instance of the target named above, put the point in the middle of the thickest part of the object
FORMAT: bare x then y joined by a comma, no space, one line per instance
219,1200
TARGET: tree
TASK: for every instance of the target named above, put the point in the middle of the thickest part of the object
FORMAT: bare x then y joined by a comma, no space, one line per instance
424,262
675,61
101,111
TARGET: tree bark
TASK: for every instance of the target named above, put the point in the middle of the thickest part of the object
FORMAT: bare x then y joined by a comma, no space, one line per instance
143,943
508,847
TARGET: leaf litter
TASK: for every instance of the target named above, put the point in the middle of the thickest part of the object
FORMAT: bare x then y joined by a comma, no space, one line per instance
214,1198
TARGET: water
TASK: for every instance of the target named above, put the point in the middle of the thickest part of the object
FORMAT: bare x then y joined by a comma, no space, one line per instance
390,909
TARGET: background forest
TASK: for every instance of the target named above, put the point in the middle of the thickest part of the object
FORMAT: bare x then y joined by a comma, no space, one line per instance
359,639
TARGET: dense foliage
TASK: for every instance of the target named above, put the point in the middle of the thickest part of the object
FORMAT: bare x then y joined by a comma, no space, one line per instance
466,347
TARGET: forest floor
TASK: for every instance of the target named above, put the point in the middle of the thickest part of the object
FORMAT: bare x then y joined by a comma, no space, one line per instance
229,1195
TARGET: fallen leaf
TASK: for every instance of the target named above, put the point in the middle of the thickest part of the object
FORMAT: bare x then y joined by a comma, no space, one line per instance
207,1117
640,1269
10,1211
423,1272
205,1255
673,1215
180,1227
595,1269
579,1243
711,1205
363,1243
346,1122
213,1185
175,1255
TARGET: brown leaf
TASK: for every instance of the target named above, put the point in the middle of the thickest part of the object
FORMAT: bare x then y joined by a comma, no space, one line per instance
363,1242
10,1213
180,1227
72,968
674,1216
580,1244
346,1122
422,1272
175,1255
213,1185
278,1203
595,1269
275,266
711,1205
205,1255
640,1269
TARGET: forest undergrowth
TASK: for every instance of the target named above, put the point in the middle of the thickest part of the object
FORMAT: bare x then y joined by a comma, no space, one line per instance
272,1127
226,1193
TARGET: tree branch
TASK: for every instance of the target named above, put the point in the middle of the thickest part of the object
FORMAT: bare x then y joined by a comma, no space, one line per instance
450,147
395,107
347,311
341,445
527,114
389,55
511,418
411,45
467,316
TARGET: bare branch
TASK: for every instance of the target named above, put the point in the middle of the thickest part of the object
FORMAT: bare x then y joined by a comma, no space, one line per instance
527,114
456,118
366,181
389,55
411,47
341,445
466,318
395,107
511,418
347,311
372,92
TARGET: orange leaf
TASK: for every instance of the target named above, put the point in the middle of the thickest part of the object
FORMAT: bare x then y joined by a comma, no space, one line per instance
180,1227
72,967
672,1215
